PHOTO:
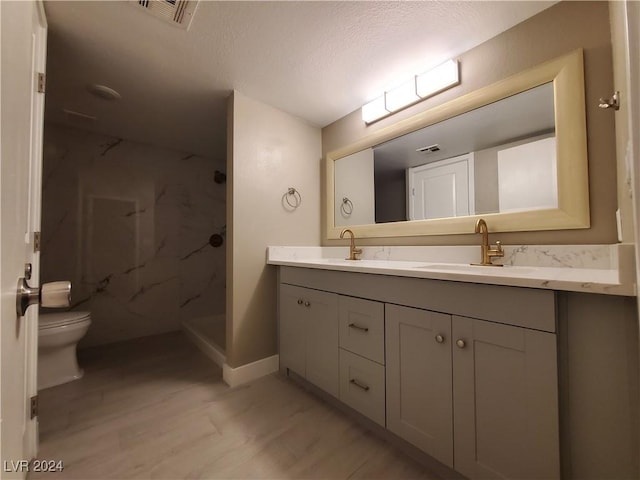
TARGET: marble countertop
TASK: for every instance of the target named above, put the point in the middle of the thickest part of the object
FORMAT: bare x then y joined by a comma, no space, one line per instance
603,269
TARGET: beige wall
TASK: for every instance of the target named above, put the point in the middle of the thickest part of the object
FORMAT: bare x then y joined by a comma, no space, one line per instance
598,377
486,175
554,32
268,152
355,182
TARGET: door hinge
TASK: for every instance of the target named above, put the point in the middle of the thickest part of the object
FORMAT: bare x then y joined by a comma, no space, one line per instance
42,79
34,406
36,241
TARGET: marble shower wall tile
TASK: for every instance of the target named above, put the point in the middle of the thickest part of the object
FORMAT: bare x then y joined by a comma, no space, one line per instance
129,224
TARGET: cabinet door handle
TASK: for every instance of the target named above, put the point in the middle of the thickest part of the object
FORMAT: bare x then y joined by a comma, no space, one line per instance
299,301
439,339
461,343
358,327
307,304
359,385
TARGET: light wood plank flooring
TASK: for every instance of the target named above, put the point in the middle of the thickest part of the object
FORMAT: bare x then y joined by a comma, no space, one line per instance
157,408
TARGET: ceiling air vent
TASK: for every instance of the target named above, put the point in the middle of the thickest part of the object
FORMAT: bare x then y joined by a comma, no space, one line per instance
177,12
430,149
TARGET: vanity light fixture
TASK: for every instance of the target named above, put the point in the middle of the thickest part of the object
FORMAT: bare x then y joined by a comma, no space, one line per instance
437,79
374,110
401,96
421,86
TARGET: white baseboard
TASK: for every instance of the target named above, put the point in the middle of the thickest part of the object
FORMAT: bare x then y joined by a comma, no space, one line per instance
210,350
251,371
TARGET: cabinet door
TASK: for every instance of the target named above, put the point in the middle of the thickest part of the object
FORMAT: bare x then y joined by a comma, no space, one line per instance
505,391
419,403
292,329
322,340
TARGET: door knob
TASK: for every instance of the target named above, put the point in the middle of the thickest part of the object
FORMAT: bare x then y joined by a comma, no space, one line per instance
50,295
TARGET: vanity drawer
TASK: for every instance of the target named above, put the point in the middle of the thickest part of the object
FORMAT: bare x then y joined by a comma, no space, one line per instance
362,327
362,386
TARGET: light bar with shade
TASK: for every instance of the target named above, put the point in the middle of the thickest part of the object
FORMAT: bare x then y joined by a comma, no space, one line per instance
422,86
401,96
374,110
438,79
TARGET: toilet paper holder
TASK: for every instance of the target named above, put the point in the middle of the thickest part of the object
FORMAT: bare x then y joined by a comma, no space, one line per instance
49,295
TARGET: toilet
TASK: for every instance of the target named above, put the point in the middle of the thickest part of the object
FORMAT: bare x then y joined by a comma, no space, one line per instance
58,335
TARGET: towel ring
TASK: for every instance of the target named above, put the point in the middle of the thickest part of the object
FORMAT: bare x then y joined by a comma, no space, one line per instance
293,198
347,207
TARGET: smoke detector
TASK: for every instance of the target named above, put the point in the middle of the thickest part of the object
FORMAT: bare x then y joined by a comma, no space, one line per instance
104,92
176,12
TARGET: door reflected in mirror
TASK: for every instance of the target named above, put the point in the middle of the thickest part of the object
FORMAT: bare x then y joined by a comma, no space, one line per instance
498,158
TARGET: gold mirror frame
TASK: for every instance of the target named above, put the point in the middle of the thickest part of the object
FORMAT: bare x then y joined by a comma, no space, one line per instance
567,75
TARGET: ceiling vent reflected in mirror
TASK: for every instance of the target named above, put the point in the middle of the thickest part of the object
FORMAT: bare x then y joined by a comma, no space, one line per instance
176,12
430,149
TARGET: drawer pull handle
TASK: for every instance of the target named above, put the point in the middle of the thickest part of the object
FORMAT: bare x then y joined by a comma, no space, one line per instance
299,301
358,327
359,385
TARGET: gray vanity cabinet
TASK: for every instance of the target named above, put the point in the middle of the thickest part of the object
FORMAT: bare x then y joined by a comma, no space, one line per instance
309,335
467,373
480,397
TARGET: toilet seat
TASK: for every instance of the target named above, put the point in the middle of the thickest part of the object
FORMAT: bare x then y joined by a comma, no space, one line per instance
53,320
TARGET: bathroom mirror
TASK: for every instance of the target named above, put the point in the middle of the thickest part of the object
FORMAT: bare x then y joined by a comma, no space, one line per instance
513,153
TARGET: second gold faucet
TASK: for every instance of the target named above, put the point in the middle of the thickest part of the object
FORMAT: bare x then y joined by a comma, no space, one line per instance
487,253
353,251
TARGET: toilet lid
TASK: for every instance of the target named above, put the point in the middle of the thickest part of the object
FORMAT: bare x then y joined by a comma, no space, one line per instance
51,320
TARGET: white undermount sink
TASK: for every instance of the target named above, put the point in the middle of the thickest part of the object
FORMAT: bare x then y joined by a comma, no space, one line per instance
479,269
367,263
464,268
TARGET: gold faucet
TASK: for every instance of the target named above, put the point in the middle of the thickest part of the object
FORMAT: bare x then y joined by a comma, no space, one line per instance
487,252
353,251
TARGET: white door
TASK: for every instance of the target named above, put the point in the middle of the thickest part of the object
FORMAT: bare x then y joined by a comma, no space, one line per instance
441,189
23,33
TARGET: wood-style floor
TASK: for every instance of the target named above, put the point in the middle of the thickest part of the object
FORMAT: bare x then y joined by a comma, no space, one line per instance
157,408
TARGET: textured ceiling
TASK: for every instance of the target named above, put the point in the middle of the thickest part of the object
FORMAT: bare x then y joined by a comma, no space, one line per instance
316,60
